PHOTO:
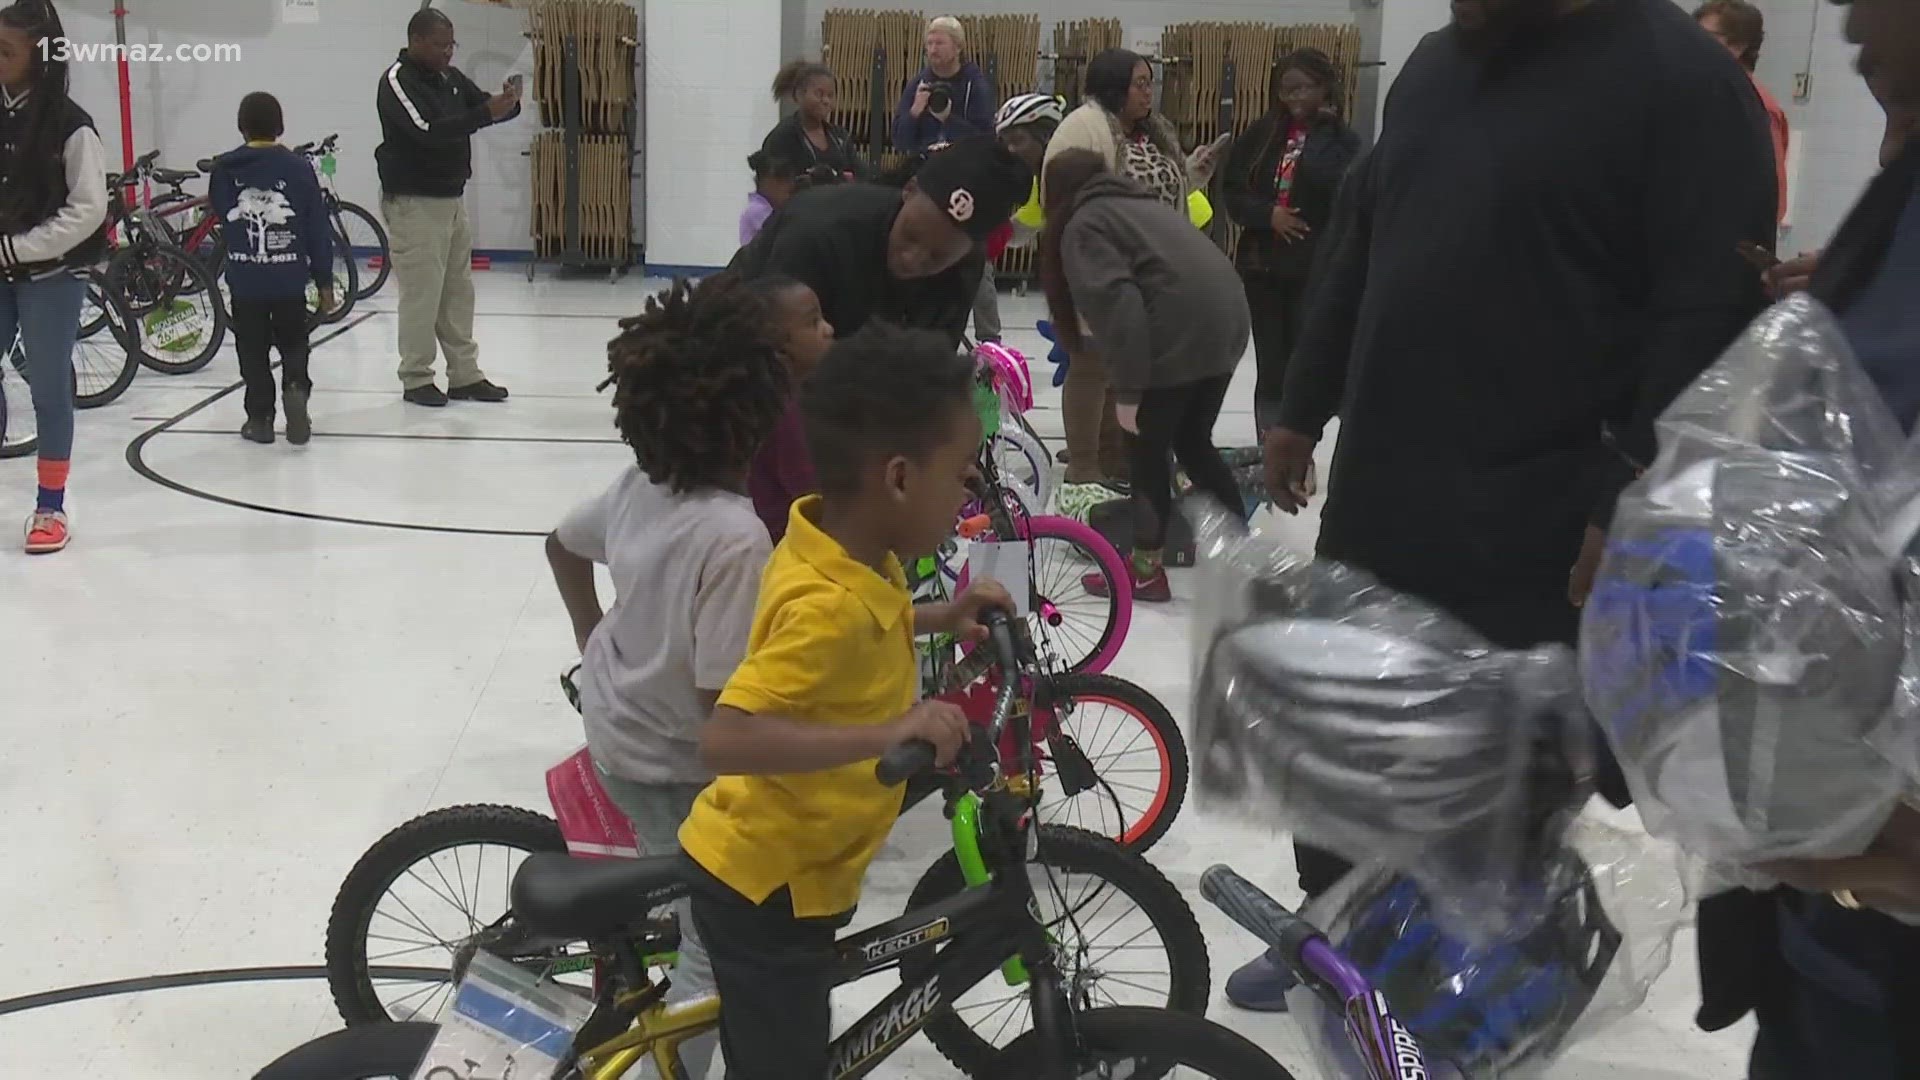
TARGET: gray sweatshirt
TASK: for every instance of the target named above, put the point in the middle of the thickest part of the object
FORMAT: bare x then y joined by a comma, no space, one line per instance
1163,303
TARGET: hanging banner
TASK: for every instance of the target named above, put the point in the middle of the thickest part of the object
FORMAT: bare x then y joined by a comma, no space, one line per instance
299,11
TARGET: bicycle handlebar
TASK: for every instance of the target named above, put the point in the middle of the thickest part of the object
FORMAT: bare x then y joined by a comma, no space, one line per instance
1256,912
908,759
324,146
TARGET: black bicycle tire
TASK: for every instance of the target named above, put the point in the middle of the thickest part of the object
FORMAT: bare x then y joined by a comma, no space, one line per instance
1155,713
1173,1039
1080,851
216,334
356,1053
380,867
350,296
369,289
125,334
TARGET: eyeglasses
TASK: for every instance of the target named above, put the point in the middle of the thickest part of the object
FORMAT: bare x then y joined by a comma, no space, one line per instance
1145,82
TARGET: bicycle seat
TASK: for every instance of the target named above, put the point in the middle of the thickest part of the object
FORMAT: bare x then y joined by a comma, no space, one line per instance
174,176
589,898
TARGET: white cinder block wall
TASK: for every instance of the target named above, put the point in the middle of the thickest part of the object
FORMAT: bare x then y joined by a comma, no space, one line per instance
325,76
709,72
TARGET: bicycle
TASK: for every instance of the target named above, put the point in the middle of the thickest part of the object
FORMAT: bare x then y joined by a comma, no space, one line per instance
102,369
403,883
941,949
361,230
177,299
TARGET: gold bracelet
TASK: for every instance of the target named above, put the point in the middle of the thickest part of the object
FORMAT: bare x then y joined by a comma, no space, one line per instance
1846,899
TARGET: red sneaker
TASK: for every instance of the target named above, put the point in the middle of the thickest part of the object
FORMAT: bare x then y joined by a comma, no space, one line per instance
1149,590
47,532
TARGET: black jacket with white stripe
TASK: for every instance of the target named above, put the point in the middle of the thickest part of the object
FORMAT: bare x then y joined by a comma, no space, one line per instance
53,212
427,121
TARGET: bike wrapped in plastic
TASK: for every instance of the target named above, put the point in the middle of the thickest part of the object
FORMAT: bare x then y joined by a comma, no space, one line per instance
1498,923
1749,647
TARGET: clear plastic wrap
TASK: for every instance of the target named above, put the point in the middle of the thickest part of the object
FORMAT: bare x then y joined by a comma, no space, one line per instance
1749,645
1376,726
1504,1008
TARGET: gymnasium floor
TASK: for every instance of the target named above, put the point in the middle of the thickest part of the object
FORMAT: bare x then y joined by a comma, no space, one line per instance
256,660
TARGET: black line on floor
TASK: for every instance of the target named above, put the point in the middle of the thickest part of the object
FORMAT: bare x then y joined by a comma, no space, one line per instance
416,436
148,983
136,460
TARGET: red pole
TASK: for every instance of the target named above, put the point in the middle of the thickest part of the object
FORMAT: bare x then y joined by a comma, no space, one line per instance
126,86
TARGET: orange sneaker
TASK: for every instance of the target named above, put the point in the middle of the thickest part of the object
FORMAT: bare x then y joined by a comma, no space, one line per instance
47,532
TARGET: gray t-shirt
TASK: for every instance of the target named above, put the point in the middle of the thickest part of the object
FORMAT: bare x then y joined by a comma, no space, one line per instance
686,575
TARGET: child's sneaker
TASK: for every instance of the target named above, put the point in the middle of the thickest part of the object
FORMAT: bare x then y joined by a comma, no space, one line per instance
1153,588
47,532
1077,501
299,424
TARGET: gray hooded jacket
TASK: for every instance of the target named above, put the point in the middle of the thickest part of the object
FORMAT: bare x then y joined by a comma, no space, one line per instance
1163,303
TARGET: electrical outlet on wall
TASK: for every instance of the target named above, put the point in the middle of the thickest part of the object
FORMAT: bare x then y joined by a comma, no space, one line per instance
1803,86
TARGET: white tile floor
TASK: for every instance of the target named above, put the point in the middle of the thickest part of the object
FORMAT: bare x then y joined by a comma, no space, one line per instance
211,710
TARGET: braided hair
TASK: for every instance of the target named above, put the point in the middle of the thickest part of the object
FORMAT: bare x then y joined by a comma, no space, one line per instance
699,381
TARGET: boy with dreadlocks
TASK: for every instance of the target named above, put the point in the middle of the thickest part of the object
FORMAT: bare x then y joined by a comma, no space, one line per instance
699,383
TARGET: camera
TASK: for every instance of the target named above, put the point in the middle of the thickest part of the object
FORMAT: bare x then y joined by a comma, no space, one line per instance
939,99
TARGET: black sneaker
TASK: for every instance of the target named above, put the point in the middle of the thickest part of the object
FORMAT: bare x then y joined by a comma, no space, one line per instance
260,431
479,391
299,424
428,395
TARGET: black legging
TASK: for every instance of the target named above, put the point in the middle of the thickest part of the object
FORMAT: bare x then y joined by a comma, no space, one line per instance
1278,307
1177,420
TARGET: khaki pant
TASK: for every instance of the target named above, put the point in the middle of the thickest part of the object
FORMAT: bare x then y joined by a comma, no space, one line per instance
1096,444
433,261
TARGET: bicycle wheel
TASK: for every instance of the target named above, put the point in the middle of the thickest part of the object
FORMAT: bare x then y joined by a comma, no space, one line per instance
1022,456
372,1052
183,321
372,251
346,284
409,901
1085,887
1079,629
1115,762
1146,1044
104,364
19,429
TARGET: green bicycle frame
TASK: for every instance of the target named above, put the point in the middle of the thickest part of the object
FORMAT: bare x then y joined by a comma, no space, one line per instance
973,868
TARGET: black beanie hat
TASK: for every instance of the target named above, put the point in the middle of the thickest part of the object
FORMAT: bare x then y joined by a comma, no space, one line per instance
978,182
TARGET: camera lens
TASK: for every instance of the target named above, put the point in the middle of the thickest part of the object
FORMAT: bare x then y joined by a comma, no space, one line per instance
939,98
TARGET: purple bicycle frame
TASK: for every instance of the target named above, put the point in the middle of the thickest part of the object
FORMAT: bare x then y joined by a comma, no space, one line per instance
1383,1044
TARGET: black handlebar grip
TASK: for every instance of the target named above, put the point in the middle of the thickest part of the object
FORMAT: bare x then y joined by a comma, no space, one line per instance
304,148
999,626
146,159
905,761
1261,915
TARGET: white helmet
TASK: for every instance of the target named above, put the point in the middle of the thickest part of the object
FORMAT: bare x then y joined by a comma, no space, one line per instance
1028,109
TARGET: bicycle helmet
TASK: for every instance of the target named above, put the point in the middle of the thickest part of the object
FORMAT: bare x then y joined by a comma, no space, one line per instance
1377,727
1478,1009
1025,109
1744,643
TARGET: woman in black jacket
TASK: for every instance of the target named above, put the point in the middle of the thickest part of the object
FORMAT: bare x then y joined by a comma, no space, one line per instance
53,214
1279,185
808,136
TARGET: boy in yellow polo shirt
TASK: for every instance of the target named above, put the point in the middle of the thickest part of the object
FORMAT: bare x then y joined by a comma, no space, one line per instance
828,685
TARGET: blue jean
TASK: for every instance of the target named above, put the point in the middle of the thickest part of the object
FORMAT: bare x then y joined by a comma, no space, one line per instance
45,315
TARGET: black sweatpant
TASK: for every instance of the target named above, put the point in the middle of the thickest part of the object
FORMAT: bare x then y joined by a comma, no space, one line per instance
1177,420
773,972
260,326
1278,305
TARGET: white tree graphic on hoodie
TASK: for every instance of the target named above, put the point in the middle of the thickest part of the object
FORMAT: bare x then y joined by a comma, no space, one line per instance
260,209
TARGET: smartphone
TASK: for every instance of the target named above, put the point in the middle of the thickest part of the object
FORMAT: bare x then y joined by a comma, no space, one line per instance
1761,259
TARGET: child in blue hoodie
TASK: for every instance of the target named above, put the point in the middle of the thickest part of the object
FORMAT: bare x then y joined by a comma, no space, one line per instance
278,239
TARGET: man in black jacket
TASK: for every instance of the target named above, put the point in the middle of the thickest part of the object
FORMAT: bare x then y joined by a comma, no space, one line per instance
1545,252
429,111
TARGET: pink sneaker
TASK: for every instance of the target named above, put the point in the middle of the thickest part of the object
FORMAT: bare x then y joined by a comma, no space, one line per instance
47,532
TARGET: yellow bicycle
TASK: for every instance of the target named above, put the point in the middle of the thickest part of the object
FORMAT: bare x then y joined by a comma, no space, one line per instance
991,928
